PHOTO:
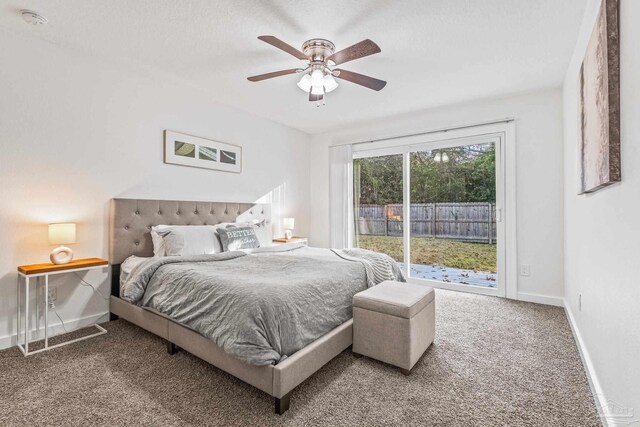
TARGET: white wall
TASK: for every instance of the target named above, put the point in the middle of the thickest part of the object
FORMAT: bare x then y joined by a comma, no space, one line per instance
539,177
602,232
77,131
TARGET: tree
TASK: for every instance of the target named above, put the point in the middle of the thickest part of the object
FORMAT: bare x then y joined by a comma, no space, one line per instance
468,175
379,180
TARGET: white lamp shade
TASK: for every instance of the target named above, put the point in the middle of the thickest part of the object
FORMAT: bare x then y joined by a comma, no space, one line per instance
317,78
288,223
305,83
62,234
329,83
317,82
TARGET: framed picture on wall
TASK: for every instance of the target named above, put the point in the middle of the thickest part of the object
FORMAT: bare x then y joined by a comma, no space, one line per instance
187,150
599,108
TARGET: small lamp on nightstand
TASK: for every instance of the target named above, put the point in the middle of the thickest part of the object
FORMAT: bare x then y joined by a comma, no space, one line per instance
288,225
62,234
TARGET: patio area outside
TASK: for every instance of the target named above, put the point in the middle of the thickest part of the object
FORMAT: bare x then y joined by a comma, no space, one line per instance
444,260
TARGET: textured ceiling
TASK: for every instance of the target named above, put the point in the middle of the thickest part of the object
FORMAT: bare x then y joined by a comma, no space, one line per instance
434,52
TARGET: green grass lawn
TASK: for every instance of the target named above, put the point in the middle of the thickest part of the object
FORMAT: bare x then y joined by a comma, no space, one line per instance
427,250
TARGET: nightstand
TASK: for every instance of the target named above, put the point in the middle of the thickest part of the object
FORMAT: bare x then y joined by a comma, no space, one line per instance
38,271
295,239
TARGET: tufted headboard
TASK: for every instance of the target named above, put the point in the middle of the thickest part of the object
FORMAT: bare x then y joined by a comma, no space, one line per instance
131,221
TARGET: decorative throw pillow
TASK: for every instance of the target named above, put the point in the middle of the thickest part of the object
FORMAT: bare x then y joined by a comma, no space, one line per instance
233,238
262,228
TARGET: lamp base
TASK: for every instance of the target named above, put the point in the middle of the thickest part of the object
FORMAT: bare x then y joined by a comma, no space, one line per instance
288,234
61,255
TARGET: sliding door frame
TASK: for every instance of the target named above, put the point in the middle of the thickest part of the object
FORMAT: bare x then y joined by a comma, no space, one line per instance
496,140
503,135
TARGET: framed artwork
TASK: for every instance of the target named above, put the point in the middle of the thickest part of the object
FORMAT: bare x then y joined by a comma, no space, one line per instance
599,107
187,150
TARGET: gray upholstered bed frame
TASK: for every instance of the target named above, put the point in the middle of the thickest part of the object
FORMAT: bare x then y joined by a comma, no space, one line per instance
130,223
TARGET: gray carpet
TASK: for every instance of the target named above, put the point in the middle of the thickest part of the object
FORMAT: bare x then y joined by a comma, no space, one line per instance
494,362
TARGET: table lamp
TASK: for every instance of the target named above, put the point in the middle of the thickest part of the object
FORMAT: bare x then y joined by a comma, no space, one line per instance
62,234
288,225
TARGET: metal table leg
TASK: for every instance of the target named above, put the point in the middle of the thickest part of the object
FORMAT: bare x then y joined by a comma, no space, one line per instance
37,291
26,315
18,316
46,311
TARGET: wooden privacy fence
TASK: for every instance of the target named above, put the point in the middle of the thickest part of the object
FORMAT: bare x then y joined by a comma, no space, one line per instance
471,222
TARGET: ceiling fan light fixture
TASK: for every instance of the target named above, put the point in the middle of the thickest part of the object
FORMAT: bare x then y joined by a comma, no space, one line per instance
317,78
330,83
317,82
305,83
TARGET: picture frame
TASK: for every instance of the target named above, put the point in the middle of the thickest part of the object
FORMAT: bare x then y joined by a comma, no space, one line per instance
188,150
599,104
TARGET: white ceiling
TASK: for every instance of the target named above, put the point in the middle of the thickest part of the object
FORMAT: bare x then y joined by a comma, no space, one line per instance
434,52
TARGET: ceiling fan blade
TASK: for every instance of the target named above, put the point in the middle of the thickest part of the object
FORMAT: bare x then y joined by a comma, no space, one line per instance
272,75
315,98
360,79
358,50
276,42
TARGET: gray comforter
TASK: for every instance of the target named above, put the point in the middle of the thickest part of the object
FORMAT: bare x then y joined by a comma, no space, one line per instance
260,307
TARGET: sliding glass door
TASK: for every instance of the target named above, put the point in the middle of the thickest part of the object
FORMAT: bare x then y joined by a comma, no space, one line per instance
435,207
453,233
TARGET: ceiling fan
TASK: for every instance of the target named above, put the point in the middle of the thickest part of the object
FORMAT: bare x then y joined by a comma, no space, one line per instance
318,77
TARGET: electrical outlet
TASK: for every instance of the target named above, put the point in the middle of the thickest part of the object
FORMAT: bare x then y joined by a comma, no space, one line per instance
525,270
53,294
579,302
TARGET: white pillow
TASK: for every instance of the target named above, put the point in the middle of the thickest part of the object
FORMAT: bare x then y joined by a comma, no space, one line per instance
128,265
263,231
158,244
185,240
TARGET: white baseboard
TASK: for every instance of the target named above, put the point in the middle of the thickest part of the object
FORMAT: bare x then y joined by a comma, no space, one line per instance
594,384
541,299
56,328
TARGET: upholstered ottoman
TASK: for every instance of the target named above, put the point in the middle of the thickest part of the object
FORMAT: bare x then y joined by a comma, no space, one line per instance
394,322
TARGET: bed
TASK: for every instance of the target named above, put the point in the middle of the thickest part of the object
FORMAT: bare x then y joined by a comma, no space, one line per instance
130,225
